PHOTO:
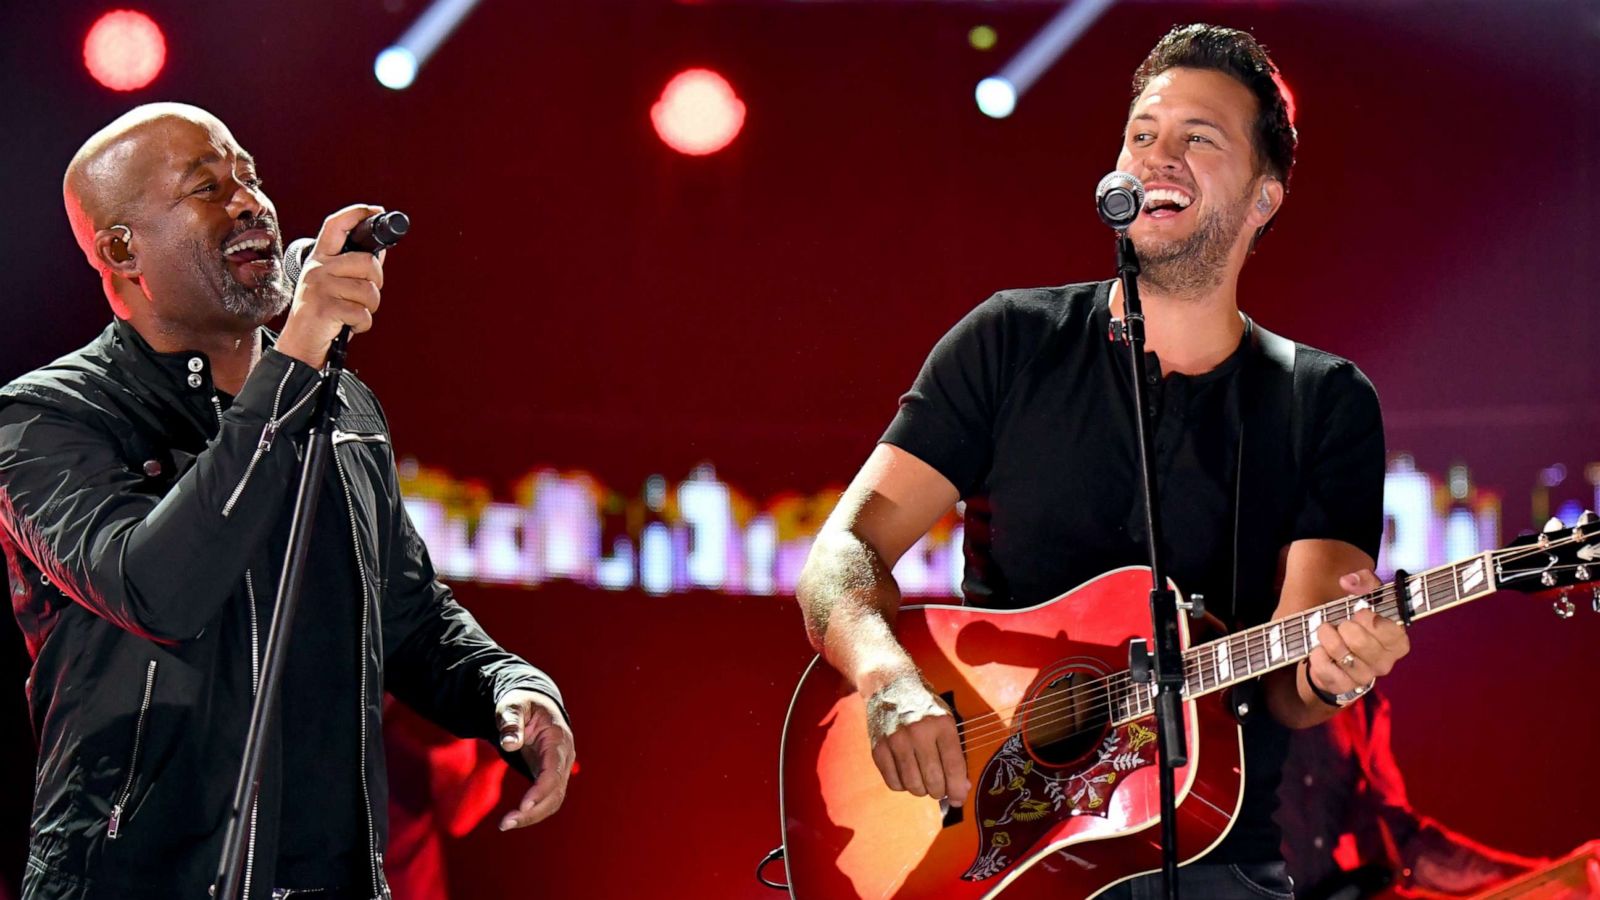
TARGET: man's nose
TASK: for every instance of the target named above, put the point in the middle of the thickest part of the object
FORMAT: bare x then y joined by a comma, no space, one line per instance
244,202
1164,155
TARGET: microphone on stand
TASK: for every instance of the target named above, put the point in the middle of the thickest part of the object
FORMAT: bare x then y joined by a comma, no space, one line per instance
1118,198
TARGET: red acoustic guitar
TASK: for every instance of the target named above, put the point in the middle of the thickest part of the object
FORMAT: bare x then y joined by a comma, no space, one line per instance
1061,743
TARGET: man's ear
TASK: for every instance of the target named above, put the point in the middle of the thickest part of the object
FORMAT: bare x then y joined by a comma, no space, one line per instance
113,249
1269,199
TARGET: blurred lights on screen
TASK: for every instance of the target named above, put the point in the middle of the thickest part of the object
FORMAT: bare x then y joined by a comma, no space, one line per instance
982,38
698,113
997,97
703,534
124,50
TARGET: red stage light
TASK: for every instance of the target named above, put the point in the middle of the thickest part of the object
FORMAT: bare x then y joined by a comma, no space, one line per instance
124,50
698,112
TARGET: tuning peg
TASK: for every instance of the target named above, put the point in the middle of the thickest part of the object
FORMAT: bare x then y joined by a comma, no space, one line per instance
1581,572
1547,578
1588,518
1595,593
1564,606
1555,524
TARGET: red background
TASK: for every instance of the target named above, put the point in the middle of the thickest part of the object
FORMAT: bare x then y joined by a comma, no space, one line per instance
575,294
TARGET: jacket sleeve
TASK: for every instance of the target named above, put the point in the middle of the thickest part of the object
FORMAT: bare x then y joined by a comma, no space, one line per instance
158,565
437,658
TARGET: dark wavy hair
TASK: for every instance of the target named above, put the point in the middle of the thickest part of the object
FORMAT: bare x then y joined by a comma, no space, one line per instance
1236,54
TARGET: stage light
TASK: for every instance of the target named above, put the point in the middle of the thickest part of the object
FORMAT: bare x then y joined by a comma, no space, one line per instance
124,50
997,97
1040,53
982,38
396,68
698,113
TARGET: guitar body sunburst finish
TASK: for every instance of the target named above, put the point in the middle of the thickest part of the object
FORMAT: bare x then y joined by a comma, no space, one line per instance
1065,800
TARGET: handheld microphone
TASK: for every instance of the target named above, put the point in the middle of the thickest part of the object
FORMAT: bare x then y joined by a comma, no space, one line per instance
1118,198
374,233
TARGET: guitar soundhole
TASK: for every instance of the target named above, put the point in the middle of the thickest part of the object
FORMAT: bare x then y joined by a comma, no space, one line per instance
1068,713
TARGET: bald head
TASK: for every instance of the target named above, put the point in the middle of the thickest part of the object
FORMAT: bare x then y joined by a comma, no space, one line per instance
109,173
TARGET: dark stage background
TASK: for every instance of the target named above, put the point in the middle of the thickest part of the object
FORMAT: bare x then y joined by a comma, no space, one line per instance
577,296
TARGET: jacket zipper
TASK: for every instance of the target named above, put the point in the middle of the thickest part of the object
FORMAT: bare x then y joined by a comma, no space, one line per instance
115,827
255,685
269,432
374,857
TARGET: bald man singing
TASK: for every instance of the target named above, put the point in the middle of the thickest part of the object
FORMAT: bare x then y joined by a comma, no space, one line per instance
145,500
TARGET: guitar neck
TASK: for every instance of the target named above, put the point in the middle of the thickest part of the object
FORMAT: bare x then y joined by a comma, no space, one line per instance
1229,660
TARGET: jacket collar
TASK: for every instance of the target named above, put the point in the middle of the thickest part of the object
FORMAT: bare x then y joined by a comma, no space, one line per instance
180,381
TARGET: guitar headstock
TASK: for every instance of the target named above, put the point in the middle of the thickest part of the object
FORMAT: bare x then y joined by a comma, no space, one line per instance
1556,559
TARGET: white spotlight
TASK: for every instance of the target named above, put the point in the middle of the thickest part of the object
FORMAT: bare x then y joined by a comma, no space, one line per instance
997,97
1039,54
396,68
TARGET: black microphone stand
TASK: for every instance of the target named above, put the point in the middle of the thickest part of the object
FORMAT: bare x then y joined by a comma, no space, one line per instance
1168,655
376,233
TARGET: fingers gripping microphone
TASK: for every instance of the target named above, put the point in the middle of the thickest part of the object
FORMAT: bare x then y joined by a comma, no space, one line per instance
379,232
1118,198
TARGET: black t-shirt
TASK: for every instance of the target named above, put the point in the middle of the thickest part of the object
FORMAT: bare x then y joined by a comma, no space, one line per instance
322,836
1026,406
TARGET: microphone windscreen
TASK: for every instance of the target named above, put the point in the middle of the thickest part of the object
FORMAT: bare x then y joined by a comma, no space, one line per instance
294,258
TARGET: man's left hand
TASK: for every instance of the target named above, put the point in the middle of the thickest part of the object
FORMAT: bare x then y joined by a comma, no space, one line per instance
532,723
1355,652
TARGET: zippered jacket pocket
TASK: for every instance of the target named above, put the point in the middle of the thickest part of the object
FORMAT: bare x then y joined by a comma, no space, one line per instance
119,803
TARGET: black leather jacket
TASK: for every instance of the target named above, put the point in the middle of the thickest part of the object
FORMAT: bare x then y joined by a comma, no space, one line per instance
134,515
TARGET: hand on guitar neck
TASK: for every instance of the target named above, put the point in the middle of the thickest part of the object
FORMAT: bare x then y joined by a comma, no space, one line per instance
1348,656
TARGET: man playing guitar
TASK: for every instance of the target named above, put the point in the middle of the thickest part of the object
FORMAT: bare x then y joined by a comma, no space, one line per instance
1024,412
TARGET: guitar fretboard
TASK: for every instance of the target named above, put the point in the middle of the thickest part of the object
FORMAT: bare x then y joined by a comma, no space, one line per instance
1255,651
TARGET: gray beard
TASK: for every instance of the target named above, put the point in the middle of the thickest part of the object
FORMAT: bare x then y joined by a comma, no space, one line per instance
1193,265
259,304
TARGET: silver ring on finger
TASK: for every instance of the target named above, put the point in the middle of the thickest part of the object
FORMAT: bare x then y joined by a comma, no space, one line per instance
1346,698
1348,660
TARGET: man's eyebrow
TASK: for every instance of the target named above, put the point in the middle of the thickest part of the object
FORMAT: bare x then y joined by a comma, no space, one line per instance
198,164
1194,120
247,159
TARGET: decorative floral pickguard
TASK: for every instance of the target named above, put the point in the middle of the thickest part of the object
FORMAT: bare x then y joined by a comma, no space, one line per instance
1018,800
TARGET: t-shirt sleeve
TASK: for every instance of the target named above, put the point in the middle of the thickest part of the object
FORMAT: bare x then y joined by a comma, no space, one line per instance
947,418
1344,463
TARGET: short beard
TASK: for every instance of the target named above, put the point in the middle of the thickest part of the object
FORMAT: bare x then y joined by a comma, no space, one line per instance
258,304
1196,264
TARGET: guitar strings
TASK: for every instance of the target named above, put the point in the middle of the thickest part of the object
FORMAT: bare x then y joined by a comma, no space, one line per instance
1386,596
1106,695
1108,698
1130,694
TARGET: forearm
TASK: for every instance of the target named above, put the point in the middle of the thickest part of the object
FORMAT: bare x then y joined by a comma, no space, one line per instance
185,556
1291,701
849,598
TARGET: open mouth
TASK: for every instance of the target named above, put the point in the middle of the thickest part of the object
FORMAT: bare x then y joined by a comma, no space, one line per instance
1165,203
255,249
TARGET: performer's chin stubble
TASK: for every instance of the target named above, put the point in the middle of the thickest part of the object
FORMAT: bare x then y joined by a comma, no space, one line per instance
1194,264
260,303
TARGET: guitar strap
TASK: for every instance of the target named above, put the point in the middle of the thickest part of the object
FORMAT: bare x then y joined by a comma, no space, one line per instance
1267,479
